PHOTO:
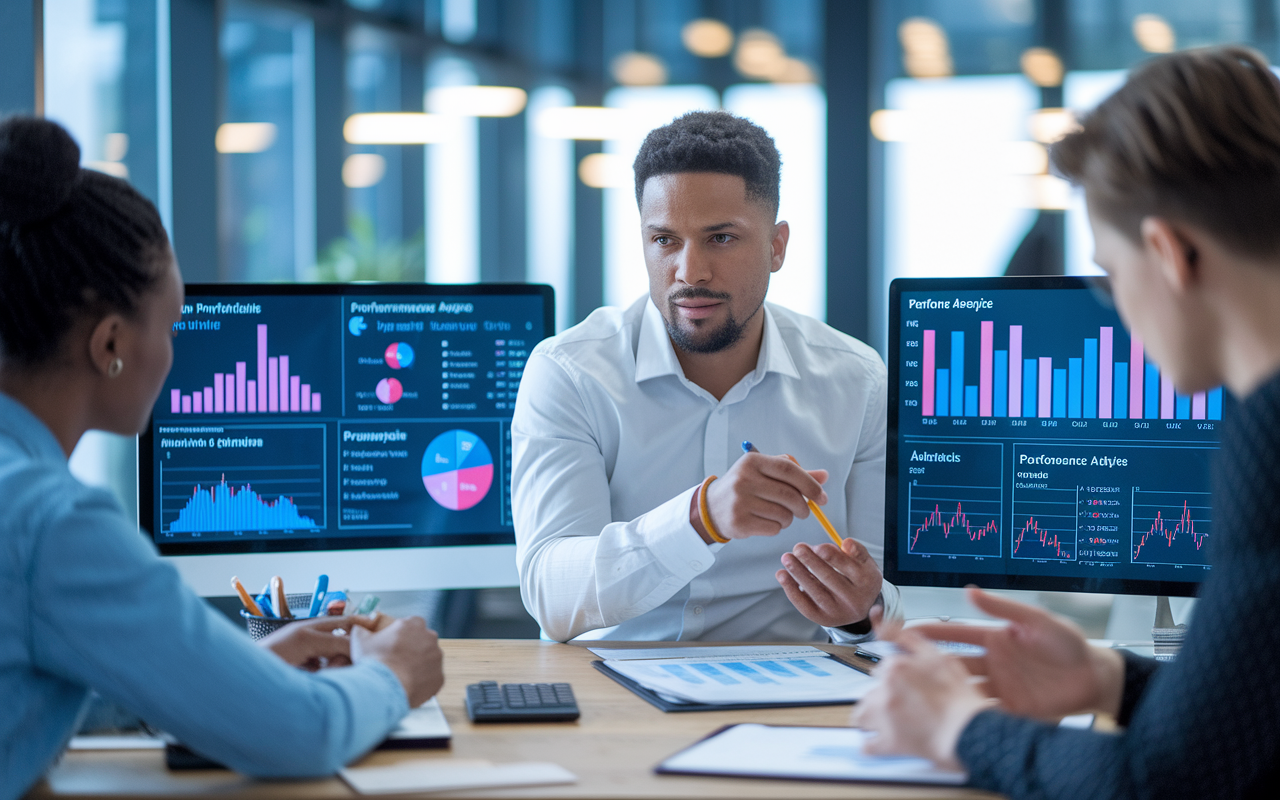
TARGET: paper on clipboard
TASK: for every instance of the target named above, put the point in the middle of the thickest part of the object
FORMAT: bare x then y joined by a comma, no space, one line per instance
726,679
828,754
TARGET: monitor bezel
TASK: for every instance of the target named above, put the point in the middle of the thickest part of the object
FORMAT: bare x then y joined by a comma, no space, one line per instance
146,468
1049,583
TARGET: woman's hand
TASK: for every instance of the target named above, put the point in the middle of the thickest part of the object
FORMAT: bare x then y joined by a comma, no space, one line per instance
1039,665
923,702
322,641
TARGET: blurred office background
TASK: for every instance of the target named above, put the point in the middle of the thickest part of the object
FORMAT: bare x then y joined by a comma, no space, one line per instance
491,140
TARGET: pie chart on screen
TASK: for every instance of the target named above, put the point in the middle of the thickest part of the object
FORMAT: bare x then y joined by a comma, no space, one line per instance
399,355
389,390
457,469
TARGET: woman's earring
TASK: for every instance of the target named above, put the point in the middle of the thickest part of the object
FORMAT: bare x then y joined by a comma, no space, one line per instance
115,368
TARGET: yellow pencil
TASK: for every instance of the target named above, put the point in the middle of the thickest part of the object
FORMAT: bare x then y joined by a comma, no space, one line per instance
817,512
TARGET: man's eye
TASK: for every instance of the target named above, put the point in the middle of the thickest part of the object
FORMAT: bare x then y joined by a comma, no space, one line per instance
721,238
662,240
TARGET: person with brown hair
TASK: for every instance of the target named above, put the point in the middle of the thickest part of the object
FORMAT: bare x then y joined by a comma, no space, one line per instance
1181,174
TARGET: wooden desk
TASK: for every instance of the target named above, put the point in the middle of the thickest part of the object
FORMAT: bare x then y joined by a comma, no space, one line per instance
612,748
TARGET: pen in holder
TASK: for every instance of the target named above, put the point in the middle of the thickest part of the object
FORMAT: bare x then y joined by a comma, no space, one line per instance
261,627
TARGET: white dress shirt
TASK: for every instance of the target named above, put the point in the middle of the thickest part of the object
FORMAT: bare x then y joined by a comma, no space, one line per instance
611,440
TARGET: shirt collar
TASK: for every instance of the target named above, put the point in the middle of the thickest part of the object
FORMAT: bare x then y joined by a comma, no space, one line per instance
656,357
26,429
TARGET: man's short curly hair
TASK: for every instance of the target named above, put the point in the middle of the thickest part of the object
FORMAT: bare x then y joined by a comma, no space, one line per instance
713,141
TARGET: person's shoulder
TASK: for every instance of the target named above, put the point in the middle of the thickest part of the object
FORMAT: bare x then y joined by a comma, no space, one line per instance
607,335
809,337
41,495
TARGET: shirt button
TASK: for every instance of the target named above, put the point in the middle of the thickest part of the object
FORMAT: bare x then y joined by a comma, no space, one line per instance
697,609
696,564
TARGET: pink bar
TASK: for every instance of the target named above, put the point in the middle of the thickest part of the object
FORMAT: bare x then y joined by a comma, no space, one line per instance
1044,392
295,387
1198,405
926,380
175,401
1015,370
197,402
262,367
306,397
283,361
240,387
208,399
273,374
1166,397
251,389
230,393
315,401
186,404
1106,367
1136,368
984,369
217,392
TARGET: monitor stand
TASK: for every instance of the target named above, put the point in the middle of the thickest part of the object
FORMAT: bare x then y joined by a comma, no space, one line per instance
1166,635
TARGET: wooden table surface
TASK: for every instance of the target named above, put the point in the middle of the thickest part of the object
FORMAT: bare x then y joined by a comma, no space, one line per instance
612,748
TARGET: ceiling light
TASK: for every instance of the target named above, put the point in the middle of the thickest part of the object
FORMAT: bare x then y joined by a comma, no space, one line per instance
605,171
477,101
1049,193
1025,158
708,38
244,137
1048,125
1154,33
759,55
393,128
639,69
796,71
925,50
115,168
362,170
1042,66
115,146
582,122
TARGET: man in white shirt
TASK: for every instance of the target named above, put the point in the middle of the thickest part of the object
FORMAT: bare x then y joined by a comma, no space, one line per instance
621,422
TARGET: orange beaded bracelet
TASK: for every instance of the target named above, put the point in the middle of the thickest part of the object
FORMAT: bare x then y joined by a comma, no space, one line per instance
706,515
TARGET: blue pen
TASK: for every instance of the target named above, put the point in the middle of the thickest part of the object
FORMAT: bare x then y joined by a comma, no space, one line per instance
264,601
317,597
748,447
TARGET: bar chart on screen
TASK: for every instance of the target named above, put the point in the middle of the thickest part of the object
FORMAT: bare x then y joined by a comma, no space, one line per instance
1102,374
273,389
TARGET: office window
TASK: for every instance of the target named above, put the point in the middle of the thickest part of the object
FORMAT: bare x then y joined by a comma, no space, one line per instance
372,173
549,206
266,141
453,180
1083,91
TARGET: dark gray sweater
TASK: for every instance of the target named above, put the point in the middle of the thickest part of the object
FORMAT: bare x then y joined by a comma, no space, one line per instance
1208,724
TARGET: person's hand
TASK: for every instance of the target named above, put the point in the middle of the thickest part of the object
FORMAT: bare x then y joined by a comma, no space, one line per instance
922,703
759,496
312,643
831,585
1039,665
409,649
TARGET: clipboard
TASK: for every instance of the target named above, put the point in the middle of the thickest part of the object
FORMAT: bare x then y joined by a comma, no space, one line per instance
798,753
656,700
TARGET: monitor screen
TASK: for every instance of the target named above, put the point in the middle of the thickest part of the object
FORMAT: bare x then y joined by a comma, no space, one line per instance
1033,445
338,417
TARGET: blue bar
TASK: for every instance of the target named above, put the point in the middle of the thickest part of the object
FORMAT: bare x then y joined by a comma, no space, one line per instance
1029,379
1181,406
1120,390
1073,388
1214,410
971,401
957,373
1090,378
1151,392
943,393
1059,393
1000,383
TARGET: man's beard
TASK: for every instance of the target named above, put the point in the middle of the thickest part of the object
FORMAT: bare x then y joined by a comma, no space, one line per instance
697,341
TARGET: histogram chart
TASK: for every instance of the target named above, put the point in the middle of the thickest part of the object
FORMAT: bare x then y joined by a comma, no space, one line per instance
950,513
224,484
1090,382
274,389
1170,528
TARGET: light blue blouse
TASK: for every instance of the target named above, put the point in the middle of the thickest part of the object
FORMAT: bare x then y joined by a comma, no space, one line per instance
87,602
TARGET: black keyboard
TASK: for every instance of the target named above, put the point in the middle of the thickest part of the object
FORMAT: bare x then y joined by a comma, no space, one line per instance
521,702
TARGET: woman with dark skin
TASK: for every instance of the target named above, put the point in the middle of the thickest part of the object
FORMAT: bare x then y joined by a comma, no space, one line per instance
89,294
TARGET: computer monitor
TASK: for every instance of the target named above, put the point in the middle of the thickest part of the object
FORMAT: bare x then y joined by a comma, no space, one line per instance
357,430
1032,445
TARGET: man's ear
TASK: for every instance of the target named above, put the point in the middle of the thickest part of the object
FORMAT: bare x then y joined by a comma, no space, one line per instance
1172,250
781,235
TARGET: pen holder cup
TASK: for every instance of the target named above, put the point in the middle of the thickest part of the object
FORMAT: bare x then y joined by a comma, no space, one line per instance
262,627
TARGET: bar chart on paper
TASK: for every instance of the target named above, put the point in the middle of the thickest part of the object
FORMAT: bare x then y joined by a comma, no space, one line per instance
1096,377
273,388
